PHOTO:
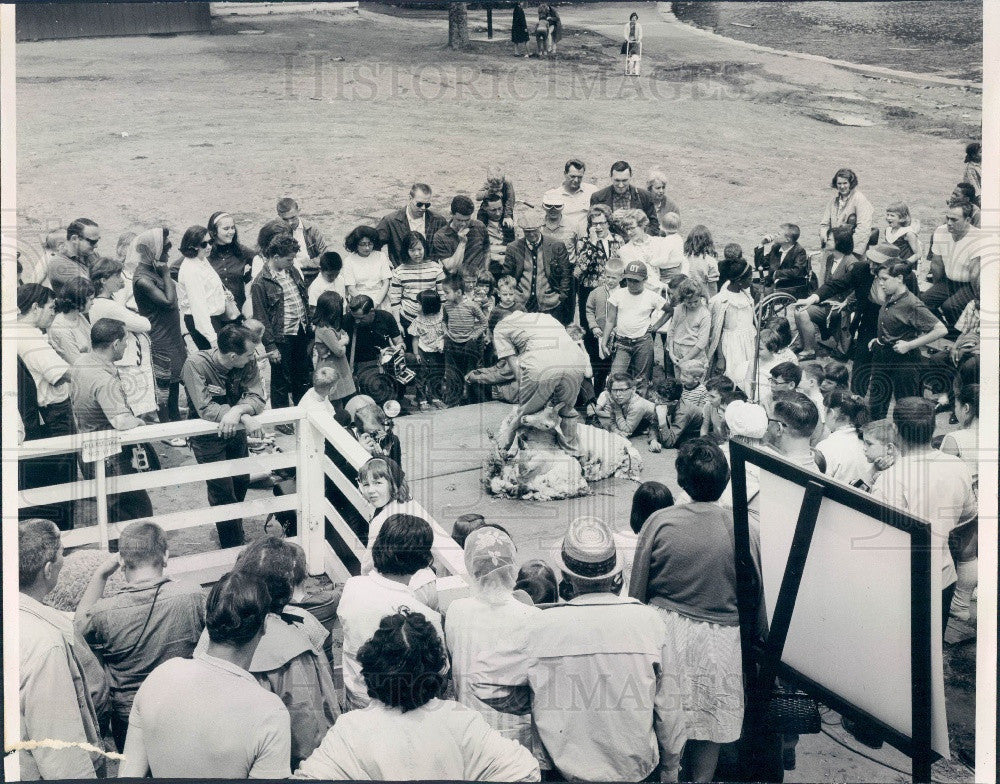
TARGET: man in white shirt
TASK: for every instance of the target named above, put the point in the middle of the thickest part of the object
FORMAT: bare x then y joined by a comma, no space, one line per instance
311,242
955,261
332,277
49,376
575,194
603,682
632,319
55,699
928,484
207,717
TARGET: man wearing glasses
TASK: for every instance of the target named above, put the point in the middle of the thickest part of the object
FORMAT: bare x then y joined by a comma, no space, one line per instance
415,216
76,254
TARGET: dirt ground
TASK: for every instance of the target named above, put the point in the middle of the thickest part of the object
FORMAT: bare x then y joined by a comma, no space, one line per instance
344,111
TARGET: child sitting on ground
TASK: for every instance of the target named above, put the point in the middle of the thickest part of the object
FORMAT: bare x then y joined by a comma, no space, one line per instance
836,375
882,443
676,419
843,451
620,409
428,347
465,525
690,374
713,425
537,582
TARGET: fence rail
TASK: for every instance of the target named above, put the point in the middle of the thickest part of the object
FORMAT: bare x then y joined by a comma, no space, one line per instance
326,460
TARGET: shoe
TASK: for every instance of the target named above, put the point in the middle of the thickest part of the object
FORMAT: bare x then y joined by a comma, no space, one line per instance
285,428
424,405
439,404
176,442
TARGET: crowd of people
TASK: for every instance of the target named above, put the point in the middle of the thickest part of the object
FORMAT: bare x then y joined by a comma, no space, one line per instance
673,347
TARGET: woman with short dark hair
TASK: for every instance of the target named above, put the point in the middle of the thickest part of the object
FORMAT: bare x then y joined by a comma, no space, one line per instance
289,660
401,549
201,294
408,732
206,717
848,207
366,266
69,332
685,568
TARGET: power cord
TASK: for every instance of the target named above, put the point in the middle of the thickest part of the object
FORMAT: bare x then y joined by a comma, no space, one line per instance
860,753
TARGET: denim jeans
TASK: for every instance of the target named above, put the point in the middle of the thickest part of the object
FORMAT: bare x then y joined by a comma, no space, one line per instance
636,359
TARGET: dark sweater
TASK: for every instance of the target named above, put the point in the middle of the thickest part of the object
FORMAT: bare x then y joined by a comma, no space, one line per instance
685,561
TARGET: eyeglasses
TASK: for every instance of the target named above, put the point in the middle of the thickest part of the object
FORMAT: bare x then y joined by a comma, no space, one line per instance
423,204
205,244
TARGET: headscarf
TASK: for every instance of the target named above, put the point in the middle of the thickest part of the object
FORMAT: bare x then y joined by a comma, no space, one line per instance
145,249
491,561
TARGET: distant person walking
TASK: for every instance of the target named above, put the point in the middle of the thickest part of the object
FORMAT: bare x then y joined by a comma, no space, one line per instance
632,46
519,31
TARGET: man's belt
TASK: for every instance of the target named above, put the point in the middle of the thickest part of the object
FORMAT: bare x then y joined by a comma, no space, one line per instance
630,341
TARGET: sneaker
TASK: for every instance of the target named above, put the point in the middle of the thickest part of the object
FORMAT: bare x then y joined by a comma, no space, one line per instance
440,404
285,428
176,442
424,405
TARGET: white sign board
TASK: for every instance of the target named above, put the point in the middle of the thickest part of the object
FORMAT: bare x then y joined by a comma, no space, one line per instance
850,630
97,446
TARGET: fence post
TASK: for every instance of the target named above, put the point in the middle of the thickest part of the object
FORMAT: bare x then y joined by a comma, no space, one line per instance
101,497
309,483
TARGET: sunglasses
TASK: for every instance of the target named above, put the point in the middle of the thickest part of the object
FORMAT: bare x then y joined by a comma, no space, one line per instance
205,244
424,204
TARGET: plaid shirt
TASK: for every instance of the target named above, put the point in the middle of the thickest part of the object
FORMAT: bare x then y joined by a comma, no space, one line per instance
295,311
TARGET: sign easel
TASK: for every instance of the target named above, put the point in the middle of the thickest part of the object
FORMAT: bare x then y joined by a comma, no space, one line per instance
763,660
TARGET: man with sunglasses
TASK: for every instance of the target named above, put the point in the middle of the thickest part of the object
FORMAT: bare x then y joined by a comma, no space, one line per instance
416,216
75,256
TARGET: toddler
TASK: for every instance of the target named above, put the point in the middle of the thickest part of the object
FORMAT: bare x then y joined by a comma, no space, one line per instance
428,332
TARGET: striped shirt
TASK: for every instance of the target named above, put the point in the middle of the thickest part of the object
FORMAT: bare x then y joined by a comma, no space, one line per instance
408,280
295,310
464,321
695,397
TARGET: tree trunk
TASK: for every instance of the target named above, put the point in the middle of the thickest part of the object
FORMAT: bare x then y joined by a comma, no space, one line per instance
458,26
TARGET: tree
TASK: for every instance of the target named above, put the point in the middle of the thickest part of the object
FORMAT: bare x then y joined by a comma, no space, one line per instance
458,26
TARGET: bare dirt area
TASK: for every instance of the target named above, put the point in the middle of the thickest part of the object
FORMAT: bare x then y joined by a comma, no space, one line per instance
345,111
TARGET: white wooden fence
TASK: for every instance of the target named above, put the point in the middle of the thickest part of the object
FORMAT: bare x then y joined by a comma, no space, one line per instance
326,459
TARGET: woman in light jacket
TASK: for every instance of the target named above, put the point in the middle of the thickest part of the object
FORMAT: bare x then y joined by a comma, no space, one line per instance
848,206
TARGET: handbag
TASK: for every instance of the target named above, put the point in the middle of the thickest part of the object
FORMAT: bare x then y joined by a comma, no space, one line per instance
793,713
232,309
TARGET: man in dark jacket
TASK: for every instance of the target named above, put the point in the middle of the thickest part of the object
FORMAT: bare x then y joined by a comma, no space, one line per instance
415,216
223,386
622,195
785,266
540,266
279,303
463,245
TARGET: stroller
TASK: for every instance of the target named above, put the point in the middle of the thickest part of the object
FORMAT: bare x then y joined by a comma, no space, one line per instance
633,57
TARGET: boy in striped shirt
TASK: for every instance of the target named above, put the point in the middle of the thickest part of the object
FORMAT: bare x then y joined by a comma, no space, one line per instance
465,325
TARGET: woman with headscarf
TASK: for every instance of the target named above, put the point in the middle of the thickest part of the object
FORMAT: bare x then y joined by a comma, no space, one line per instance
135,368
155,294
229,258
486,632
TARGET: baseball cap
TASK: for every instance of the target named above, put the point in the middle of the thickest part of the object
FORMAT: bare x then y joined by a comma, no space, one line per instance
635,270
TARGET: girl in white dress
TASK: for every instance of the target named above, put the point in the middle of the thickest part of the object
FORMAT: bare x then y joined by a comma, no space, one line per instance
734,331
